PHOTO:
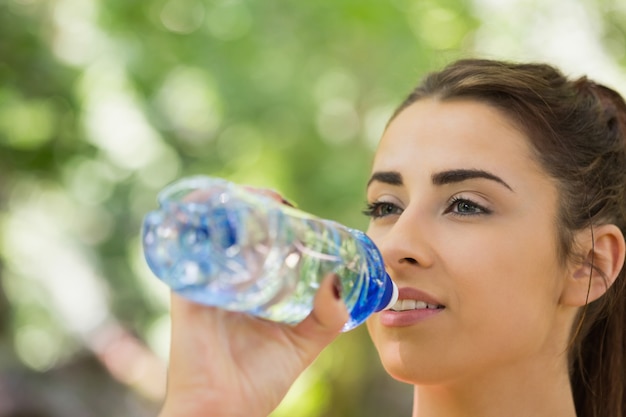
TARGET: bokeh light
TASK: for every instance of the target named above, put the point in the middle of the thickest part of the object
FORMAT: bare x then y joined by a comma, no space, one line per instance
104,103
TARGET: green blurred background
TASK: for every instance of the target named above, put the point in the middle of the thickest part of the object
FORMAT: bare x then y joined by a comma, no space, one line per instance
103,102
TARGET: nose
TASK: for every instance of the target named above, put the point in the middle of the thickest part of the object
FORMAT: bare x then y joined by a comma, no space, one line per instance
405,244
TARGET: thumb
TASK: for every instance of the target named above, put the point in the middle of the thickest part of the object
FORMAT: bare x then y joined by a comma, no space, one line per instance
326,320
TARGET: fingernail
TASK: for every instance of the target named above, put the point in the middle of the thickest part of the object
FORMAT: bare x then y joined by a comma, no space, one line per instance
337,287
288,202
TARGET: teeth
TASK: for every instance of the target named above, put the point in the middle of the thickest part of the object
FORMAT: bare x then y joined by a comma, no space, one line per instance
404,305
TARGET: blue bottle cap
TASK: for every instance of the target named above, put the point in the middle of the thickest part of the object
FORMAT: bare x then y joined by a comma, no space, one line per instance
390,296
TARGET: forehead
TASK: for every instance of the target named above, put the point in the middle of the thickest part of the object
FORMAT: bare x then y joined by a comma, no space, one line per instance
437,134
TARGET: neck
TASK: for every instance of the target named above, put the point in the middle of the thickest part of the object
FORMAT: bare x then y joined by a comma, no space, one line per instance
539,392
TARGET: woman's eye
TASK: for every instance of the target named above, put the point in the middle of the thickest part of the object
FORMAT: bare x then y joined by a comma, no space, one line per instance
381,209
465,207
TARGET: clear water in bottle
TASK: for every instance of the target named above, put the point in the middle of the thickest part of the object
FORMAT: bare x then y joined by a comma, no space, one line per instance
220,244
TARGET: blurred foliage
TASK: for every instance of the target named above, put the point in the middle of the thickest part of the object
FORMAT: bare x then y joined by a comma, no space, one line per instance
102,103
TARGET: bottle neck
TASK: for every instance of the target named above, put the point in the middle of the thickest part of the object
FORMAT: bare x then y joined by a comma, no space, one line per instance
376,269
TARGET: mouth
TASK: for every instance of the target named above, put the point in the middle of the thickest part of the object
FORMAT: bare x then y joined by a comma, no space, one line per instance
413,307
410,304
410,299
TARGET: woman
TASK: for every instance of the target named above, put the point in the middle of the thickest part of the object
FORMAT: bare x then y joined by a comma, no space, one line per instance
498,201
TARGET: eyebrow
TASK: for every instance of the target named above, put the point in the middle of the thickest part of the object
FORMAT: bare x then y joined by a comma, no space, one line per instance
440,178
460,175
387,177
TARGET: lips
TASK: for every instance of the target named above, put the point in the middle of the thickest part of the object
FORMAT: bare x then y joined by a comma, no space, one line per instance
413,306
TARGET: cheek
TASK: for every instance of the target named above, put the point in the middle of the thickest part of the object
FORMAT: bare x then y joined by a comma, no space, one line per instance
392,348
372,330
515,260
376,233
511,291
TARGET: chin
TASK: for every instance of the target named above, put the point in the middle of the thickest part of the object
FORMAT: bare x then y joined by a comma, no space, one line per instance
406,363
401,373
397,363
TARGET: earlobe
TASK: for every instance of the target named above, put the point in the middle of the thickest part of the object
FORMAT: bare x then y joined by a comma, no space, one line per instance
604,260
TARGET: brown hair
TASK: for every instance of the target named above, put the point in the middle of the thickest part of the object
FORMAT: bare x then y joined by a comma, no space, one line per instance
577,129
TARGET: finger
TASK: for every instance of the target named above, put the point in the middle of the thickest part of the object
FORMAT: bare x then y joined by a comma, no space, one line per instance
196,332
185,315
191,322
273,194
326,320
183,309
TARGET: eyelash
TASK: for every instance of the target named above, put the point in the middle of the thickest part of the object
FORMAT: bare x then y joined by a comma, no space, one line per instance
373,209
455,202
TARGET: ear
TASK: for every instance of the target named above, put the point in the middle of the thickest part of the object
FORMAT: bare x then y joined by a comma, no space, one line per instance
606,251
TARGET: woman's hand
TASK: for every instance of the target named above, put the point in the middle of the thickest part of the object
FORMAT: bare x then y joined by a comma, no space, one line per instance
230,364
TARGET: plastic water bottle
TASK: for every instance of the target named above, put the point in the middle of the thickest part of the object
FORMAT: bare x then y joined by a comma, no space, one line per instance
221,244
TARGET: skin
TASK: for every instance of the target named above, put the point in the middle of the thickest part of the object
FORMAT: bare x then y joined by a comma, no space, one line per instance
463,214
233,365
485,248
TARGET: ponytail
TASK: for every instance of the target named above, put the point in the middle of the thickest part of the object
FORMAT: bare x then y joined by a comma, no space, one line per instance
598,355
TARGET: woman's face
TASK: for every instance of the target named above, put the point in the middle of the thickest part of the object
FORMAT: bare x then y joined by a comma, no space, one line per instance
465,220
